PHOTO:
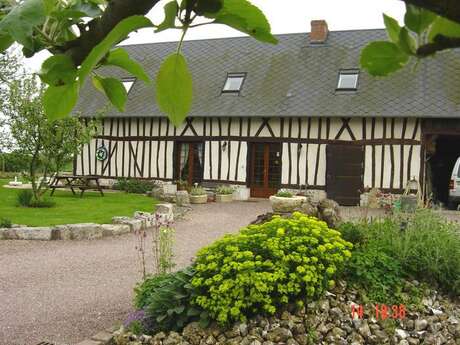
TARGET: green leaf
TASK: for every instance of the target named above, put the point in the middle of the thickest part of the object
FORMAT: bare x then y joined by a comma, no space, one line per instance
245,17
58,70
113,89
58,101
445,27
19,23
120,58
50,6
5,41
179,309
119,32
407,43
174,88
393,28
382,58
418,19
208,6
171,9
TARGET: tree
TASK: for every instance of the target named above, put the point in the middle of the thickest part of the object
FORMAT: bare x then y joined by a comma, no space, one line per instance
50,144
81,35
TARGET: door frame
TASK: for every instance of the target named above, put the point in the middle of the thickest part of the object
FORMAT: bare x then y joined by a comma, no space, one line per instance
250,167
176,157
329,172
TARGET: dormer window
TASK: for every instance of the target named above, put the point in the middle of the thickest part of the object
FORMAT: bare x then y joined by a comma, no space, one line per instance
234,82
128,84
348,80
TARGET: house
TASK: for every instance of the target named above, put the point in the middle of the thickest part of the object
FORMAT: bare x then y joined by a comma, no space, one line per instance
300,114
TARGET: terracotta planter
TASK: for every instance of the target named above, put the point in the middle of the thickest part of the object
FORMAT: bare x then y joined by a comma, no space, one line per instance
224,197
286,205
198,199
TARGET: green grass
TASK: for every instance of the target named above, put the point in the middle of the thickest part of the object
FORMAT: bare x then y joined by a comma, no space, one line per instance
92,208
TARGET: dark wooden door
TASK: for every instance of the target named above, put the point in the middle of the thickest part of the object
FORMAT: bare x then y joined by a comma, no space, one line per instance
189,162
265,169
345,170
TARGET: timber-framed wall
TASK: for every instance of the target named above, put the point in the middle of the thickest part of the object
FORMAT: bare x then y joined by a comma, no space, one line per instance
144,148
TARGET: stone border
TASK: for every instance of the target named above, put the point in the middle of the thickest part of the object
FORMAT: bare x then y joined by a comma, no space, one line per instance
90,231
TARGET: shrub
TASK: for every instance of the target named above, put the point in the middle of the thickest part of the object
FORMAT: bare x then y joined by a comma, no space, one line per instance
284,194
266,266
197,191
136,322
224,190
425,245
167,300
354,232
377,273
25,197
137,186
5,223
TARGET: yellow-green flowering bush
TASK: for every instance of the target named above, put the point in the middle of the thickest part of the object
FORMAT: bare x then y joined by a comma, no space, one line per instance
265,266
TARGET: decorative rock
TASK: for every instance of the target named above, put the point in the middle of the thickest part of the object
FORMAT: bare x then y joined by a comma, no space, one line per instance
193,333
29,233
401,334
420,325
329,212
134,224
114,229
182,198
286,205
165,211
364,329
278,335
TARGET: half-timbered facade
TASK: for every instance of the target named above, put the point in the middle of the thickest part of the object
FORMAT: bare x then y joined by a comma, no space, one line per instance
291,125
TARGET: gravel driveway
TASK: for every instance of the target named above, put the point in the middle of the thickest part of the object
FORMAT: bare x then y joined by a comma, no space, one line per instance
65,291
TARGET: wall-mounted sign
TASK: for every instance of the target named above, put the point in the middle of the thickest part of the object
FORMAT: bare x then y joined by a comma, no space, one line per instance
101,153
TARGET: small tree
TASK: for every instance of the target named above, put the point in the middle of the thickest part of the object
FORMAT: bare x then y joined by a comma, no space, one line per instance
50,144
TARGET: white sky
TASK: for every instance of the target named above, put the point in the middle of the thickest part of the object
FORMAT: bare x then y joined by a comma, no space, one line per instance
285,16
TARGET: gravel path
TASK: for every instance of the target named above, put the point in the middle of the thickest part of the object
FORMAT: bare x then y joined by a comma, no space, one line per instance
65,291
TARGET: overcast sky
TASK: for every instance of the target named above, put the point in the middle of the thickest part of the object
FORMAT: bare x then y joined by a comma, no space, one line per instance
285,16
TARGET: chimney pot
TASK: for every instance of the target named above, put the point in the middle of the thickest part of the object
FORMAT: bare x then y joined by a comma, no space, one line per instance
319,31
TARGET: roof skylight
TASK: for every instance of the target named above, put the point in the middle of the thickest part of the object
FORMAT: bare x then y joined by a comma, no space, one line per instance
128,84
348,80
234,82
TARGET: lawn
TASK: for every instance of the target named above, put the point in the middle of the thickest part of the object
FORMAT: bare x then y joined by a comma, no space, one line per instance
92,208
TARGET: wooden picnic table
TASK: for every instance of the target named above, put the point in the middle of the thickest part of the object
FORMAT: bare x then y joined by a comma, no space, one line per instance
75,182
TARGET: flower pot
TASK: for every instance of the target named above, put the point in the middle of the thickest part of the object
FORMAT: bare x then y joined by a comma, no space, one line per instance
224,197
198,199
286,205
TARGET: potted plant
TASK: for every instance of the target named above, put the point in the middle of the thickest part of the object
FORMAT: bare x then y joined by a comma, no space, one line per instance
286,202
182,185
224,194
198,195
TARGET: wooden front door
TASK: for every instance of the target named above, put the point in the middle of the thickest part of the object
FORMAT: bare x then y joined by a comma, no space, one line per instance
189,162
265,169
345,170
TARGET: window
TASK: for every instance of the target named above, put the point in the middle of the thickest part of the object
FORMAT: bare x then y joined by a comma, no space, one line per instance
234,82
128,84
348,80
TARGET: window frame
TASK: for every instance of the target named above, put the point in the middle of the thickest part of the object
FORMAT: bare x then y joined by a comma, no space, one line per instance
348,71
234,75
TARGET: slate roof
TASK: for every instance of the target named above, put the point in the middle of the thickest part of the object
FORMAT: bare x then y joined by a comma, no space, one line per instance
293,78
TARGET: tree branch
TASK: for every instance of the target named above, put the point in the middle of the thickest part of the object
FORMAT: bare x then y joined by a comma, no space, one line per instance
99,28
440,42
449,9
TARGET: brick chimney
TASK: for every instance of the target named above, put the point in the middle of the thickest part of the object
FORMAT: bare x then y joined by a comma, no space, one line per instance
318,32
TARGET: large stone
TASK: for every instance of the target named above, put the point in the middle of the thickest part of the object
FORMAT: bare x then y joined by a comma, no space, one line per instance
286,205
83,231
315,196
134,224
308,208
182,198
169,188
114,229
165,212
193,333
329,212
29,233
279,334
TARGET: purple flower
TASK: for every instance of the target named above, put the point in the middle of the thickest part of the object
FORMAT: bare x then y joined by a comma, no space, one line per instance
138,315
